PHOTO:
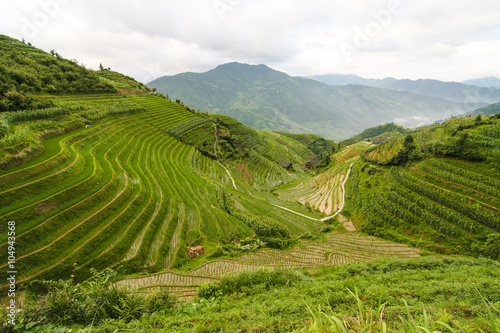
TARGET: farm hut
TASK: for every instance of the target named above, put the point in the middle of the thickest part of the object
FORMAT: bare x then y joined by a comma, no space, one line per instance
311,163
286,165
379,140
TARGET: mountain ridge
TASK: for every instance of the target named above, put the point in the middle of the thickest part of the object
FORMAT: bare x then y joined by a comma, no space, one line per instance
264,98
453,91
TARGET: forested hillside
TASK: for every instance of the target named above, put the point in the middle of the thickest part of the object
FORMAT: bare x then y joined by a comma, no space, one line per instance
263,98
26,70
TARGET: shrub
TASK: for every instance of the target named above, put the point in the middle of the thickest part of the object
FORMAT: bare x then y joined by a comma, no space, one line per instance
92,302
160,301
209,289
250,282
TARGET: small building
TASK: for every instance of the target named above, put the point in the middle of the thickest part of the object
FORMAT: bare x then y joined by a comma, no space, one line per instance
380,140
286,165
311,163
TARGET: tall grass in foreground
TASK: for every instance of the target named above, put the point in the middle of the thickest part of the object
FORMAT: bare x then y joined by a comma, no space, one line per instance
368,320
87,304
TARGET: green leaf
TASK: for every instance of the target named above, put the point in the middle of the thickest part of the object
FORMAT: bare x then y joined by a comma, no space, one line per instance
30,325
446,326
424,329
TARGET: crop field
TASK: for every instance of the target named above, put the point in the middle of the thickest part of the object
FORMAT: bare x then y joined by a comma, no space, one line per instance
350,152
323,192
265,150
258,152
444,201
124,182
119,190
110,183
337,248
385,152
258,203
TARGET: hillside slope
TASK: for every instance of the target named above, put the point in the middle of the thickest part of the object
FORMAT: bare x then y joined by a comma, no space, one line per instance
110,180
263,98
26,70
436,188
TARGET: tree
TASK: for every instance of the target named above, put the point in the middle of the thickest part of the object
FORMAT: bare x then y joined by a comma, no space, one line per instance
409,143
101,67
478,119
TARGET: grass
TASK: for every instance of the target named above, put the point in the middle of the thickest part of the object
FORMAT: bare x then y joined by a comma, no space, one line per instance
430,293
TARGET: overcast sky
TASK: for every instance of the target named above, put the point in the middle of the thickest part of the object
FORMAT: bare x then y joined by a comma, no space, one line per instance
440,39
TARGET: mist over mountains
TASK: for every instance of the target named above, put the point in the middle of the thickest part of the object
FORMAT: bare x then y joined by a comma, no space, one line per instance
264,98
471,91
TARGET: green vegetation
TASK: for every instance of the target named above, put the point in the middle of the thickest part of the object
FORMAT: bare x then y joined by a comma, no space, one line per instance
92,302
442,193
385,130
171,198
26,72
265,99
443,294
315,143
254,154
490,110
99,181
123,83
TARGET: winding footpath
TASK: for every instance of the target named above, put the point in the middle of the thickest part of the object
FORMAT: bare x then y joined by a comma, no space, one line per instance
331,216
215,151
292,211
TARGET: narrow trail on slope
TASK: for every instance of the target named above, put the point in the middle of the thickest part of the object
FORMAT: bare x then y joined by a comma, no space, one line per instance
331,216
215,151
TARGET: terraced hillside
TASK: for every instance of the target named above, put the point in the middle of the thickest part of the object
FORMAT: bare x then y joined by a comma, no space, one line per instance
131,181
257,153
116,191
111,187
325,192
444,193
337,248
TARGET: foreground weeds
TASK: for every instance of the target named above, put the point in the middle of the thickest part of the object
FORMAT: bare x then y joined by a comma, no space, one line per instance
368,320
419,296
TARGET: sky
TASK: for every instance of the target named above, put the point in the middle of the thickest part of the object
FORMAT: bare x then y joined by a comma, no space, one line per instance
437,39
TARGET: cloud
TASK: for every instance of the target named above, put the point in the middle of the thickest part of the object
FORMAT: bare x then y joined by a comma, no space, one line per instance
428,39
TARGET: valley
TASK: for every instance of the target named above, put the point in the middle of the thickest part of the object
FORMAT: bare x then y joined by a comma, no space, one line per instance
113,186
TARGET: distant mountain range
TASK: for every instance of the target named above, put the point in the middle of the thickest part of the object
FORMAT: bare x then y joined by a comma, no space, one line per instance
471,91
264,98
490,81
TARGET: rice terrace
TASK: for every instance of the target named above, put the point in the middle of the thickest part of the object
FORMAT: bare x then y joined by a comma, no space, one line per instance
111,188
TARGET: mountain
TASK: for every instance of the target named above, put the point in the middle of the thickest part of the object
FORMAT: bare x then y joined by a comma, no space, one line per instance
490,81
385,130
131,180
264,98
130,203
343,79
475,95
489,110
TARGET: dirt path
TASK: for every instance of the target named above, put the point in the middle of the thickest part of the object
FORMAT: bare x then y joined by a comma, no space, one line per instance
331,216
348,225
215,151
